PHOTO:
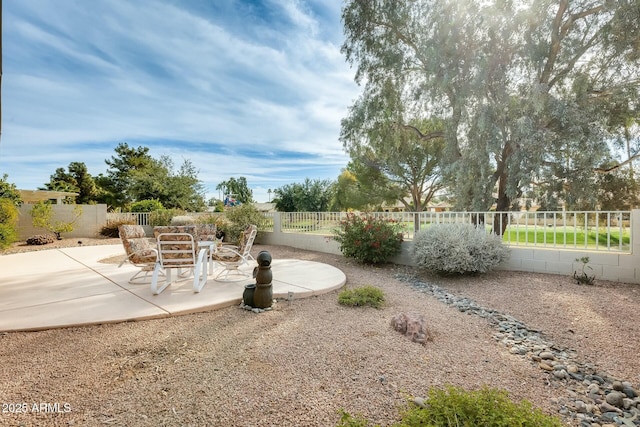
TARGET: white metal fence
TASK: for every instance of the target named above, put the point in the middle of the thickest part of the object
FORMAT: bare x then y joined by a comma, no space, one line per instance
590,230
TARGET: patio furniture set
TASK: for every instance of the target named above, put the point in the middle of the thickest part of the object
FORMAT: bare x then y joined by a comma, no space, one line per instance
193,251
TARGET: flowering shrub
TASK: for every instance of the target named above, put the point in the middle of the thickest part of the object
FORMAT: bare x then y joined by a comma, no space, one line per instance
368,239
457,249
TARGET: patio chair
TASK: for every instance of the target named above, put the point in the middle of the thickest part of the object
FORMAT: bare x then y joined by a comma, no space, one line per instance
206,232
178,251
140,252
231,257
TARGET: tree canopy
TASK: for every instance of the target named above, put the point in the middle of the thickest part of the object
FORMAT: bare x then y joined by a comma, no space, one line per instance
237,189
529,92
309,196
8,190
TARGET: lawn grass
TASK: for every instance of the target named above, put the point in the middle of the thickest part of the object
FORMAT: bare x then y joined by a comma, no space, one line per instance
569,237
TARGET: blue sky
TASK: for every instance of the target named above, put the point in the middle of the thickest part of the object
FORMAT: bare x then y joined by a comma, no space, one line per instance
239,88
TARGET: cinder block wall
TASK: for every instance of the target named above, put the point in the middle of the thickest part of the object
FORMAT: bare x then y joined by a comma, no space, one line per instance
616,267
89,224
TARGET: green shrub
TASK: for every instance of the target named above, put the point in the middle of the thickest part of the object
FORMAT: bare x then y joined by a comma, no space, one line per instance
146,206
453,406
456,407
239,217
457,249
369,239
163,216
362,296
8,222
348,420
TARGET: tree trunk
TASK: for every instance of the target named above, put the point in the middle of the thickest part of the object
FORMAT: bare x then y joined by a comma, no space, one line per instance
503,204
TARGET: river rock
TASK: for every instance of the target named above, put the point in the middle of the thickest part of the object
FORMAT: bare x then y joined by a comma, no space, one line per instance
547,355
615,398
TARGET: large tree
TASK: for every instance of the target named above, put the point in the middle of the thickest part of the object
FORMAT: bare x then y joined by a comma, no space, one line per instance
76,180
118,182
522,87
407,152
237,189
309,196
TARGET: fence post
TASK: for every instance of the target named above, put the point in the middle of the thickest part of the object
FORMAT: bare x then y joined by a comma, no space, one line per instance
277,222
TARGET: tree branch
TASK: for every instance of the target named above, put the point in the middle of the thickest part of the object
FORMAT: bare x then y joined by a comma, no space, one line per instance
618,166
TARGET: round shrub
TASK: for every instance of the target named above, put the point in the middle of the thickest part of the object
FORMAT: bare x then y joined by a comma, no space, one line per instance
369,239
362,296
457,249
239,218
183,220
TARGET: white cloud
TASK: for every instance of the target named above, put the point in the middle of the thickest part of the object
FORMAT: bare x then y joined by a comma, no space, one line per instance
224,84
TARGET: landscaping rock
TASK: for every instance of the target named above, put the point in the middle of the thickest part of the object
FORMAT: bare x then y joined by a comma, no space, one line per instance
412,325
592,398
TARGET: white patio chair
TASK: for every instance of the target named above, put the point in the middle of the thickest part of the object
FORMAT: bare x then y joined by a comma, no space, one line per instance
232,258
178,251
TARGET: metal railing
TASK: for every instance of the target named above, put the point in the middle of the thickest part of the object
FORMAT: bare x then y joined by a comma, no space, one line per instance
589,230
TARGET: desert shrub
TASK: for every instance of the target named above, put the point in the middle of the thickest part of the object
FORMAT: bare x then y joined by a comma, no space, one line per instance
110,229
183,220
146,206
362,296
163,216
456,407
8,222
239,217
208,218
453,406
41,239
457,249
368,239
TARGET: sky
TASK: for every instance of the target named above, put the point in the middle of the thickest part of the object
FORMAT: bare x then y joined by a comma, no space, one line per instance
237,87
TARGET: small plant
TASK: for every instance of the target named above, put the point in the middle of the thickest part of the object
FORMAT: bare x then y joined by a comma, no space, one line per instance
362,296
369,239
457,249
584,278
42,213
456,407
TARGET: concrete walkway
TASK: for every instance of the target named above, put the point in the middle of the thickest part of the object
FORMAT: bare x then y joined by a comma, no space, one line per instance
71,287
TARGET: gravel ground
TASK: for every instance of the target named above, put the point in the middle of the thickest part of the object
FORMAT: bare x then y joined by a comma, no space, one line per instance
306,360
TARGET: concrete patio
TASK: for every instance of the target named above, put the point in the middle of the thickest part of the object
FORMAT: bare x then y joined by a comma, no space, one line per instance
74,286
